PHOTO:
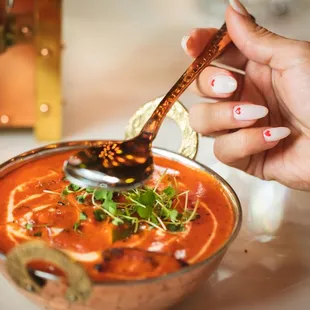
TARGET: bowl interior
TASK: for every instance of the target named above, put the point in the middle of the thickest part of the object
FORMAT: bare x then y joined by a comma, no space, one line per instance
51,149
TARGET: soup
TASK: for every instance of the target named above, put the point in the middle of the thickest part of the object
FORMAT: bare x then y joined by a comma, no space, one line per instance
180,216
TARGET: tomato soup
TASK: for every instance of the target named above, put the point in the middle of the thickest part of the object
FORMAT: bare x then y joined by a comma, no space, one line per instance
180,216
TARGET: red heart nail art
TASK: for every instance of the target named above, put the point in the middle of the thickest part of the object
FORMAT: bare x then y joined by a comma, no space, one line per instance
238,111
212,82
267,133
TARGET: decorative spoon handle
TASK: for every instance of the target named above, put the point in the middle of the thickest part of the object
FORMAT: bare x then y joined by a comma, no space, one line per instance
215,47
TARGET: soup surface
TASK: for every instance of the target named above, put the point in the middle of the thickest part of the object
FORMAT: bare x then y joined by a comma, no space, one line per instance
180,216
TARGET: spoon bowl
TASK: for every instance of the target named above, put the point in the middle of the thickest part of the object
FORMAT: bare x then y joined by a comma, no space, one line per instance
113,165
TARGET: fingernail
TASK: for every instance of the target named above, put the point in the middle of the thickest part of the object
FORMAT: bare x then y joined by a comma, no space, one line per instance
276,134
223,84
184,43
249,112
238,7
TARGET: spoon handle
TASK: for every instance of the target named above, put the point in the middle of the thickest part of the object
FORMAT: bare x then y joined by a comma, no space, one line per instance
215,47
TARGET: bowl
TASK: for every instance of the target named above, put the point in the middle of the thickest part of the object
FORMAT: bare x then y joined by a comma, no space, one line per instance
51,292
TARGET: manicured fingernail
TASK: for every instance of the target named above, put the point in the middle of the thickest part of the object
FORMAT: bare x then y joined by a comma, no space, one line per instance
184,43
238,7
249,112
276,134
223,84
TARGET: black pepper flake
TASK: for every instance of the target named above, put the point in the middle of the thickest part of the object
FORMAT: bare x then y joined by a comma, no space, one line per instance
98,267
245,251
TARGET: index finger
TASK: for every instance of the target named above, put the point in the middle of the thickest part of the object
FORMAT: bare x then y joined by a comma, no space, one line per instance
196,41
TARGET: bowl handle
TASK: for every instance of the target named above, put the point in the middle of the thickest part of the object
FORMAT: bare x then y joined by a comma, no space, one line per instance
20,256
178,113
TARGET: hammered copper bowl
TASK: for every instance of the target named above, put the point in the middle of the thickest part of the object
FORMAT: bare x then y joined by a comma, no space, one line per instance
159,293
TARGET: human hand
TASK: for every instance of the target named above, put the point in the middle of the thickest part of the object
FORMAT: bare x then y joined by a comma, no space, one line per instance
261,123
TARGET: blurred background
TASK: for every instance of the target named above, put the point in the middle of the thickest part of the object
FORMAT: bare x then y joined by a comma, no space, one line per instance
116,56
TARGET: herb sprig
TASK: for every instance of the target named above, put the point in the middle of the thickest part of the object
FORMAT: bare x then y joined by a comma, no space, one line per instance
160,209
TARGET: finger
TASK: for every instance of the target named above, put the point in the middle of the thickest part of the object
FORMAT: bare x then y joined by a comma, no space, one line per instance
235,147
194,43
210,118
215,83
261,45
216,134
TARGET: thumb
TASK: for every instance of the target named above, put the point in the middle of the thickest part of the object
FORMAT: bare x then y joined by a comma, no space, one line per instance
259,44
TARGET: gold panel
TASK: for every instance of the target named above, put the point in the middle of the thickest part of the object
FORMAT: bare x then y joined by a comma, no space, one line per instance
48,105
30,62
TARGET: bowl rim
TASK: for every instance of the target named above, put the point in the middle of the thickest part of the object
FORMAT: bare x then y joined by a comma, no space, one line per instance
54,148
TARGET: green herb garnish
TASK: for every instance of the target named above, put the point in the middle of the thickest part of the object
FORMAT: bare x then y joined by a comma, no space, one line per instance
110,206
89,190
81,198
99,215
158,209
123,232
76,227
83,216
102,194
174,215
73,187
29,226
175,228
170,191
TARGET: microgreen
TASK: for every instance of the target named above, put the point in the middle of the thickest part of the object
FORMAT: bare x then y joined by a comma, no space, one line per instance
29,226
173,215
158,207
103,194
147,198
110,206
99,215
144,211
123,232
175,228
76,227
170,191
83,216
81,198
73,187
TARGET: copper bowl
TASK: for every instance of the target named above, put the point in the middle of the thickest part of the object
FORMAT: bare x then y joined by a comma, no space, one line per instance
159,293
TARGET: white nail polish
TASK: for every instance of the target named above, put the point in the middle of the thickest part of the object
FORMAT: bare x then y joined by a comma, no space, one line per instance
223,84
249,112
276,134
238,7
184,43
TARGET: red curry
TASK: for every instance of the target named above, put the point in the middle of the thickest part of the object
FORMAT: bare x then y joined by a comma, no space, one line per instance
180,213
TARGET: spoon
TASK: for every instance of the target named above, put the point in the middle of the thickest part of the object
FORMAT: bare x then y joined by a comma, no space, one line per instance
123,165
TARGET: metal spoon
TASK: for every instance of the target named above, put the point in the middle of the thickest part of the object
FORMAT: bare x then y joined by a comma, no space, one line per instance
122,165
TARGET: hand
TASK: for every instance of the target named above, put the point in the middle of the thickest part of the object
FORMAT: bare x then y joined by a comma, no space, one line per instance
261,123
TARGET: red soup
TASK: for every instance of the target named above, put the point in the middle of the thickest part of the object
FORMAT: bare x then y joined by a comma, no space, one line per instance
179,217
